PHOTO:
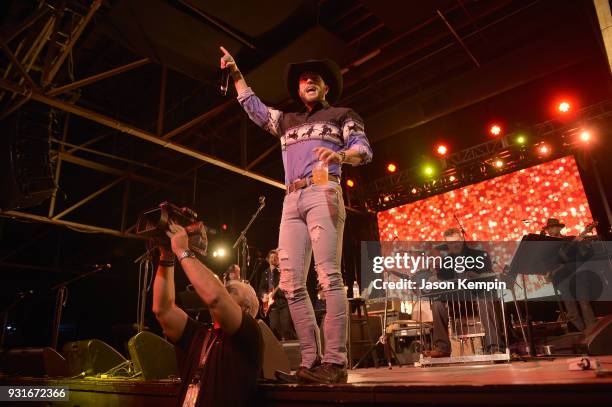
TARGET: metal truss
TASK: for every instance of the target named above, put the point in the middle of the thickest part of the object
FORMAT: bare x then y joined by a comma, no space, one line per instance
476,163
55,38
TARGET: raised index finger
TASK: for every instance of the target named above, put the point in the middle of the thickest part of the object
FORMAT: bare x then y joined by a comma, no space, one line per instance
223,50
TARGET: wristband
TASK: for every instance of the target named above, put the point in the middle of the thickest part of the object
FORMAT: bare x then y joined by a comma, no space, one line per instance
187,253
166,262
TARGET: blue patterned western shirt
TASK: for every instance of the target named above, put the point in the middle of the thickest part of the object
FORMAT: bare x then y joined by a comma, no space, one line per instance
337,128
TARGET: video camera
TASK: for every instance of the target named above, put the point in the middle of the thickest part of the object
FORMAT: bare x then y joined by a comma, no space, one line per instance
154,223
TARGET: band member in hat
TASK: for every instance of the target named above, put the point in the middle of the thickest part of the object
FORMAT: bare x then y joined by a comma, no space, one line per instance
313,215
553,227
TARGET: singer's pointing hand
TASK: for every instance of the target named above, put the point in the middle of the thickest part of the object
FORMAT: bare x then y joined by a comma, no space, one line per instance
227,61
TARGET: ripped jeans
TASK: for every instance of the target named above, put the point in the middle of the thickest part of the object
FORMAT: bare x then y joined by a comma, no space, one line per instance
313,221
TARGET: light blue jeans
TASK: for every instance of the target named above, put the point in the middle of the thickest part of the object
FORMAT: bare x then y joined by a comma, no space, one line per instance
313,221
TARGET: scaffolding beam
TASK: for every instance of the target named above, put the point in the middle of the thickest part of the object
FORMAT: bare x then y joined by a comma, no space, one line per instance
134,131
50,75
74,225
87,198
98,77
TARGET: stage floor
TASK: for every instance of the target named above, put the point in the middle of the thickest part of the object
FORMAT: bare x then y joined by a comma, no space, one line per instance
543,382
534,383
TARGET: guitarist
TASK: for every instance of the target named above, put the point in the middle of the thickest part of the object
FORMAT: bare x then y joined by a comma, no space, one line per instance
574,251
274,302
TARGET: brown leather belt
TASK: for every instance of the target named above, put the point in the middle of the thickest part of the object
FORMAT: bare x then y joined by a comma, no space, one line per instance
303,183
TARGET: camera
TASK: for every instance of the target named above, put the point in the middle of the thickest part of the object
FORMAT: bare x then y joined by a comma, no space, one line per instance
154,223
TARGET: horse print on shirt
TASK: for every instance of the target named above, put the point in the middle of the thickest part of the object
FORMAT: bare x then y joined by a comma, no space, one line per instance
313,131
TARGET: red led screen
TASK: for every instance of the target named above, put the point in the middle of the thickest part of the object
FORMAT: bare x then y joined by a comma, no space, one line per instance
500,209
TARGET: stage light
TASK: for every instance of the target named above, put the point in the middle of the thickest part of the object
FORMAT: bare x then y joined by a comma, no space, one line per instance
220,252
350,183
386,198
428,170
452,178
498,163
544,149
495,130
414,190
564,107
391,167
441,149
224,226
521,140
585,136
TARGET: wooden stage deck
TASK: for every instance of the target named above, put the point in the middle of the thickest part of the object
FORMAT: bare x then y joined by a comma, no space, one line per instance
541,383
533,383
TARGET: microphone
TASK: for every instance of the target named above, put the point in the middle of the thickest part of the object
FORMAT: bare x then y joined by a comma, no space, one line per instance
224,82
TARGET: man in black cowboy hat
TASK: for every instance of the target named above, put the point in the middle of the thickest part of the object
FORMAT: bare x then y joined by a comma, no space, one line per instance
553,227
313,215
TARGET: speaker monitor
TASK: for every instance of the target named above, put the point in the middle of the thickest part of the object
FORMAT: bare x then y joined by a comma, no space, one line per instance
274,358
153,356
91,357
34,362
25,169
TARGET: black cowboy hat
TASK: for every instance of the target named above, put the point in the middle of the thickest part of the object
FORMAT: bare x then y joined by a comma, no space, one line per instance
329,71
552,222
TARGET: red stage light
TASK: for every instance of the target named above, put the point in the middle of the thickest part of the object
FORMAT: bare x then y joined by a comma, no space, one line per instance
585,136
564,107
391,167
441,149
350,183
224,226
544,149
495,130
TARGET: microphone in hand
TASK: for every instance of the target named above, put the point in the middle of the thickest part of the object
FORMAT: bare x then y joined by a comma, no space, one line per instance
224,81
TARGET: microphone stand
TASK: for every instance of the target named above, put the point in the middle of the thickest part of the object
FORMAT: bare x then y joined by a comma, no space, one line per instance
60,300
145,267
257,263
460,226
384,338
242,239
